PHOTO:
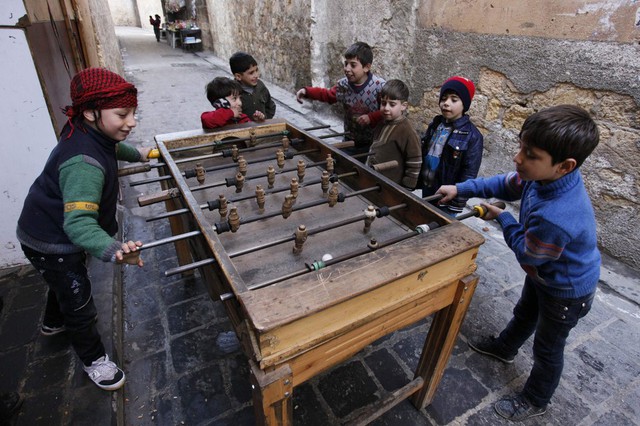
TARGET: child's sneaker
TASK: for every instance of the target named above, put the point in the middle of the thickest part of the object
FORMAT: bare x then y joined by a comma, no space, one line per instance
105,373
46,330
518,408
489,346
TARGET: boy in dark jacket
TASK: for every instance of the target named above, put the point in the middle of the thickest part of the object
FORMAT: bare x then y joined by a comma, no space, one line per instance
452,145
256,99
224,95
554,241
71,210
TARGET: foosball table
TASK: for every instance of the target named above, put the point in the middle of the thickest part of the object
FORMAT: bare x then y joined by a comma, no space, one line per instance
313,254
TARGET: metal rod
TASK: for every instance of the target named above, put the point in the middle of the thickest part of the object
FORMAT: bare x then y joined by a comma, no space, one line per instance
282,240
338,259
231,140
189,267
306,184
323,126
235,140
216,168
255,161
433,197
172,239
303,206
332,135
222,154
261,175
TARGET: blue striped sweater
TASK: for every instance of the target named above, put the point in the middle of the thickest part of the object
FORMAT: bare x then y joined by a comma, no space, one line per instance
555,238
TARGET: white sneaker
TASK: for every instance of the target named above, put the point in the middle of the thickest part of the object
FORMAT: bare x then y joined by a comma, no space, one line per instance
105,373
45,330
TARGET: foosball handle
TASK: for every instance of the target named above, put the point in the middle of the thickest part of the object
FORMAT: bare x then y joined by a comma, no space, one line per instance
385,166
481,211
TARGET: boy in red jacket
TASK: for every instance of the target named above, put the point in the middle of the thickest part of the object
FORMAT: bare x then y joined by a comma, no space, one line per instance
224,95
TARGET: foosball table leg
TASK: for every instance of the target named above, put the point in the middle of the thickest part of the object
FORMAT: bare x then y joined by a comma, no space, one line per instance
272,395
440,341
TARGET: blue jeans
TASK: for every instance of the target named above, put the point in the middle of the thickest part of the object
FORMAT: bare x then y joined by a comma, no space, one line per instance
69,300
551,319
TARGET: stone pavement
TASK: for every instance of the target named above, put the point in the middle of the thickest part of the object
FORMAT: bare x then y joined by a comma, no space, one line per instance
182,360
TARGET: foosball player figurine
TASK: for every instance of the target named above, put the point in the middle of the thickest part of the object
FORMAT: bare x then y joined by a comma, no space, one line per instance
234,219
285,142
301,169
242,165
369,217
260,198
271,176
330,163
235,153
239,182
333,195
280,158
223,206
324,182
200,173
294,188
301,237
287,206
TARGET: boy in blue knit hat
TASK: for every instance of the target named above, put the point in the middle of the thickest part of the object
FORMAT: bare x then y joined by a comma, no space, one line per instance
452,145
554,242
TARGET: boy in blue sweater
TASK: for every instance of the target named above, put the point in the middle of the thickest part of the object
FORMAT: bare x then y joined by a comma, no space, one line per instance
554,242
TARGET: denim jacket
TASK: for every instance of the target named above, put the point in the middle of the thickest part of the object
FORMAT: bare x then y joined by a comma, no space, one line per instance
460,159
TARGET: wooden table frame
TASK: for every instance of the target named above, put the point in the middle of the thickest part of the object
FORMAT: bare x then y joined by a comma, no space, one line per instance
300,327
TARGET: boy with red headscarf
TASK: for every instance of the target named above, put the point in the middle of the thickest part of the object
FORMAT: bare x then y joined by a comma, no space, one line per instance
71,210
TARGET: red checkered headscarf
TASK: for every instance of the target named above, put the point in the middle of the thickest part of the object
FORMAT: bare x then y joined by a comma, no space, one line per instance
99,88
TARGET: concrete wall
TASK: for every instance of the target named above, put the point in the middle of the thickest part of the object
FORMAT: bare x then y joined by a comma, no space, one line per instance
104,50
28,131
125,13
522,59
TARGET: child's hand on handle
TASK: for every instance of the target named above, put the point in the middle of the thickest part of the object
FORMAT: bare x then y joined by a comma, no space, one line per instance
492,210
144,153
259,116
302,93
448,192
130,254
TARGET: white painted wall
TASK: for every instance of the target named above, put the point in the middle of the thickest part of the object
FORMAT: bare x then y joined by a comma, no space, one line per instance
28,134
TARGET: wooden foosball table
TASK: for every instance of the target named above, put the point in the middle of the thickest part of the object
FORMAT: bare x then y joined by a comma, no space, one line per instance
314,255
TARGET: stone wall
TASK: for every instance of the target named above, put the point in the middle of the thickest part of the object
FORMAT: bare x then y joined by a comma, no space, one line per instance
516,76
277,34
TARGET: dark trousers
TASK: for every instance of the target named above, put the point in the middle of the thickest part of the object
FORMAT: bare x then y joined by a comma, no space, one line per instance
156,31
69,300
551,319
